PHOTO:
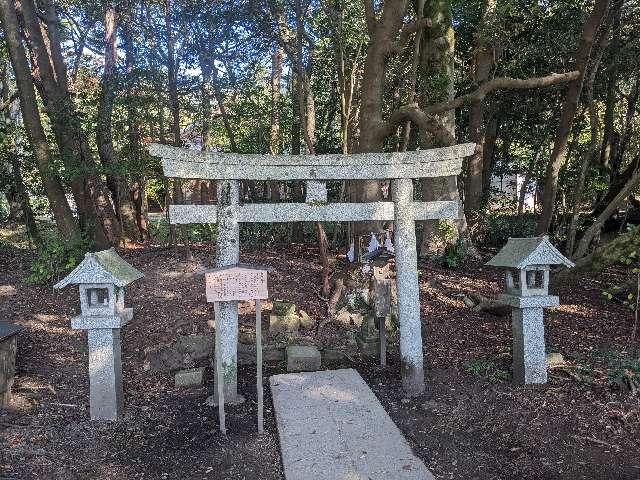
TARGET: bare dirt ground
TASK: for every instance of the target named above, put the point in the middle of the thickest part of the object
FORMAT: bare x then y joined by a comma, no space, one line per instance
471,424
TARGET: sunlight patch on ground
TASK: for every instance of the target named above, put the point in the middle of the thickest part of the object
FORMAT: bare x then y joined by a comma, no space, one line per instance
43,322
7,290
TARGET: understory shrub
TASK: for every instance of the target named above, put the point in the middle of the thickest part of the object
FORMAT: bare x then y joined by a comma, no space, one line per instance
496,228
57,256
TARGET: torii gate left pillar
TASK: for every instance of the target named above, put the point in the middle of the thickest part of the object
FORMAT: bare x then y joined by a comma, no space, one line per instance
228,253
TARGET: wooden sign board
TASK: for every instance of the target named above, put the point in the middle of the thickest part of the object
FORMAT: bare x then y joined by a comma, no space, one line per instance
236,283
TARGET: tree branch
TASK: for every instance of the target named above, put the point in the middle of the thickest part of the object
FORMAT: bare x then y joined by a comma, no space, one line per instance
422,117
408,30
370,15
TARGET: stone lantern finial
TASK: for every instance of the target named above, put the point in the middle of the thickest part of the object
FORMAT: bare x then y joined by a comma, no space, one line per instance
101,278
527,262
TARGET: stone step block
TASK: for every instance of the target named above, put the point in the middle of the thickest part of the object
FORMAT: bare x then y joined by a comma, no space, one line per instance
302,358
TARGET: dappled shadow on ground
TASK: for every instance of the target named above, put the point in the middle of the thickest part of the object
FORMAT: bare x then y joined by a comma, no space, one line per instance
466,425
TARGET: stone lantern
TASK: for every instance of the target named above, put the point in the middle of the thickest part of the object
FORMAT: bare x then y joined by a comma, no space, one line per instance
101,278
527,262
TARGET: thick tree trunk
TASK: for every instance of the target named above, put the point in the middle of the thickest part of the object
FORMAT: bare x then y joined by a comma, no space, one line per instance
93,202
62,214
437,62
382,32
116,179
569,107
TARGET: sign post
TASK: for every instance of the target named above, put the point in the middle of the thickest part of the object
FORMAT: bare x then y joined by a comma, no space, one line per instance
233,283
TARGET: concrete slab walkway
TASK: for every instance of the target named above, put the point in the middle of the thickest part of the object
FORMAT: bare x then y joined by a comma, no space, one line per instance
332,427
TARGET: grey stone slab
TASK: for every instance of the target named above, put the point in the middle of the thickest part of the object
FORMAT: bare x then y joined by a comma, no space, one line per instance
192,377
437,162
302,358
332,427
118,320
317,212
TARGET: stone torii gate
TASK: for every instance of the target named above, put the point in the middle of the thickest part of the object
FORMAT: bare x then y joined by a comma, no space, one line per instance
400,168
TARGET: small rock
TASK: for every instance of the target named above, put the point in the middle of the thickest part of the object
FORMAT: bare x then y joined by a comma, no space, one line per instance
283,309
283,324
192,377
302,358
555,359
305,320
273,353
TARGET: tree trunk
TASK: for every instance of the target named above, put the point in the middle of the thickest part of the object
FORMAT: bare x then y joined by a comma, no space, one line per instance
274,129
437,62
94,206
593,149
612,79
62,214
174,103
487,52
594,229
382,33
116,180
138,195
488,153
569,107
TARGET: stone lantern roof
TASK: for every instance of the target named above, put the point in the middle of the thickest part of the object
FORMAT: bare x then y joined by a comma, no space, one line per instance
523,252
105,267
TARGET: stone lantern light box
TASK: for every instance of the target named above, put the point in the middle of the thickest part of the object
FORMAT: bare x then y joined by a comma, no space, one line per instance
101,278
528,261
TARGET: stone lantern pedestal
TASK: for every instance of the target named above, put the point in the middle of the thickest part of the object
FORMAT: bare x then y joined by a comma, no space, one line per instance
527,328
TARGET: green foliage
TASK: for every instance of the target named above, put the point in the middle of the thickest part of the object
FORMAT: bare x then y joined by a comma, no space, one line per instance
497,228
627,294
454,254
57,256
487,369
619,365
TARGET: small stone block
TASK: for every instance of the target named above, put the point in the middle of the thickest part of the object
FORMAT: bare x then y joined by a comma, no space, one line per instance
192,377
283,324
302,358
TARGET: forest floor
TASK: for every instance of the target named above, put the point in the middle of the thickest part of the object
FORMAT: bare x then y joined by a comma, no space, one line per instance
472,423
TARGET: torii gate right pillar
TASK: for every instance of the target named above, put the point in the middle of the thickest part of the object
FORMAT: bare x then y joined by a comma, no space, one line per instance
411,356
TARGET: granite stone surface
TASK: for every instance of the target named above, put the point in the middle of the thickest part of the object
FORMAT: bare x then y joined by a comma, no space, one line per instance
411,354
523,252
317,212
529,358
302,358
437,162
332,427
105,374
